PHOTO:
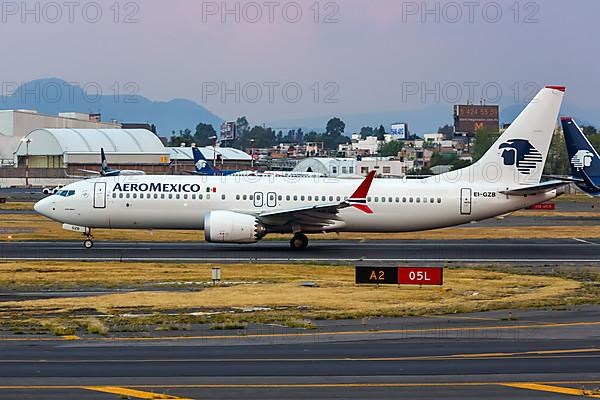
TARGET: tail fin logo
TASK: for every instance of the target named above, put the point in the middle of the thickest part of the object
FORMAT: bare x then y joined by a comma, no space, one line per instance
522,154
582,159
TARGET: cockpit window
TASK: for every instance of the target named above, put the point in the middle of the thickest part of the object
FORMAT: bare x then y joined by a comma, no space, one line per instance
66,193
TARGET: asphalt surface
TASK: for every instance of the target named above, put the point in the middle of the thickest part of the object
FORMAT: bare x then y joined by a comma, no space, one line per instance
538,251
540,354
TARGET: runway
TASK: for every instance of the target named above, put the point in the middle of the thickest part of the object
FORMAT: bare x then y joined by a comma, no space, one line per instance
534,251
541,354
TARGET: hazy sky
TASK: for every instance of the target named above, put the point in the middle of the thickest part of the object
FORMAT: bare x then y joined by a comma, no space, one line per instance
350,57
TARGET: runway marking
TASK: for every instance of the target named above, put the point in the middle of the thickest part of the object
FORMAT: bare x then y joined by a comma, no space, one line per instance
275,260
138,394
585,241
325,333
517,355
553,389
520,385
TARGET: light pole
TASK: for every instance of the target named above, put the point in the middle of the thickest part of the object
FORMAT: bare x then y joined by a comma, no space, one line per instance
26,141
252,154
214,141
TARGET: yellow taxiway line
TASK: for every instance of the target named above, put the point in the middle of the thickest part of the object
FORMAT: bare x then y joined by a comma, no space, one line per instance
132,393
553,389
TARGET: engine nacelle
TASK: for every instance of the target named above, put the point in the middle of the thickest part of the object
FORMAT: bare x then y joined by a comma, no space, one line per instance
231,227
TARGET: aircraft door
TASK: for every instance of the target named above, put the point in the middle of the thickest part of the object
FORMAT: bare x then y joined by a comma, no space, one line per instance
100,195
271,199
258,199
465,201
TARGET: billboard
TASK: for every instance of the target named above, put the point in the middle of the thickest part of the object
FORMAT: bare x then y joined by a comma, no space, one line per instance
469,118
400,129
228,131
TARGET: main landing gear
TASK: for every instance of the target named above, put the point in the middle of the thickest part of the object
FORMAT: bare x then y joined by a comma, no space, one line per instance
88,243
299,241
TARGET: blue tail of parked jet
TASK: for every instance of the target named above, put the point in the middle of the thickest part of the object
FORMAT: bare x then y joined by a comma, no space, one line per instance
203,167
584,160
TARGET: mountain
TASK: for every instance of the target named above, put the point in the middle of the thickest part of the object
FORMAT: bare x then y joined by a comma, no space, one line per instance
51,96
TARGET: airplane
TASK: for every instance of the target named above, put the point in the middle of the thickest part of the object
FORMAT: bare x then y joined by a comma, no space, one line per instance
105,170
203,166
584,159
238,209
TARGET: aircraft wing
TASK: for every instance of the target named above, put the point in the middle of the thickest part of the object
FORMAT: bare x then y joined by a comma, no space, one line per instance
320,215
89,171
539,188
565,178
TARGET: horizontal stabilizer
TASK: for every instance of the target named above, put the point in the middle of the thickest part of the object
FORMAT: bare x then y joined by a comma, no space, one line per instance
535,189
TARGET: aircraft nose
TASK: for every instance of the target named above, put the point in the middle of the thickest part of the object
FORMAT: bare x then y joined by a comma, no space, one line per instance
43,207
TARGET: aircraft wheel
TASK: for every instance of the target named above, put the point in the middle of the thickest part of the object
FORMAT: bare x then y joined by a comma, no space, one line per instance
88,244
299,242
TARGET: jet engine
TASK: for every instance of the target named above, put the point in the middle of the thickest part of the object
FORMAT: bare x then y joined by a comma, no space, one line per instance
232,227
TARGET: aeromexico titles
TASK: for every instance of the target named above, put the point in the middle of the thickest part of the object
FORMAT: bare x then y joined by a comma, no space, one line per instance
244,209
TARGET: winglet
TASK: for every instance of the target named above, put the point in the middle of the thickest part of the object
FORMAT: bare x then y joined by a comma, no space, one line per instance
359,197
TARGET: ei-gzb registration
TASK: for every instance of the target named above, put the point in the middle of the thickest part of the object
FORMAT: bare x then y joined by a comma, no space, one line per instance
241,209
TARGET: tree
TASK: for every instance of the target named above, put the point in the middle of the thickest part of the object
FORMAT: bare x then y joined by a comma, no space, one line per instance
447,131
185,137
392,148
589,130
335,127
557,162
381,133
366,131
483,140
203,134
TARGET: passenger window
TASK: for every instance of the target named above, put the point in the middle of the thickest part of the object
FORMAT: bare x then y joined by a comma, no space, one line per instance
418,199
432,200
369,198
410,200
208,196
338,198
114,195
309,198
237,196
295,198
222,197
177,196
424,199
280,197
244,197
200,196
156,196
128,195
135,196
330,198
390,200
397,199
120,195
439,200
170,196
251,197
162,195
376,199
288,197
301,198
193,197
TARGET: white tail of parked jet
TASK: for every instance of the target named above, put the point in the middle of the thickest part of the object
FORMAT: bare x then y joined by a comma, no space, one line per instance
517,158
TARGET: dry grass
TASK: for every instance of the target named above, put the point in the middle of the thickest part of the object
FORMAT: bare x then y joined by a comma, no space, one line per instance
17,206
337,295
19,227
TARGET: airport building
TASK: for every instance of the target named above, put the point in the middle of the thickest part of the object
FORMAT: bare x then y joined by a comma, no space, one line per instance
16,124
74,149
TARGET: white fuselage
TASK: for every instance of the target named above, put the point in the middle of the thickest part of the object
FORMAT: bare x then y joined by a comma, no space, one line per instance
181,202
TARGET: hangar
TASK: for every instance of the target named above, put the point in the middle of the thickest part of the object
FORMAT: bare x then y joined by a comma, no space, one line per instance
74,149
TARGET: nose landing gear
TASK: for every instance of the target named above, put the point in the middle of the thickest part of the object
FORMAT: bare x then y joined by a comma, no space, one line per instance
299,241
88,243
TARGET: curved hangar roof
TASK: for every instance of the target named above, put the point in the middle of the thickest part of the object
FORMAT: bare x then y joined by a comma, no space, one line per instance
80,141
